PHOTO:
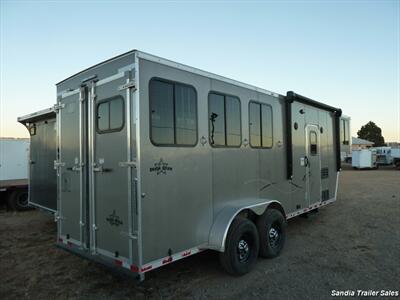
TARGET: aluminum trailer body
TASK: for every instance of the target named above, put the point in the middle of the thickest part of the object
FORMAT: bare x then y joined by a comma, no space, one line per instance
42,175
157,159
14,155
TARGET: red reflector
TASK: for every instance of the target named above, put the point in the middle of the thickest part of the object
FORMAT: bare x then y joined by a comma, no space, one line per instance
167,260
118,262
144,269
134,268
187,253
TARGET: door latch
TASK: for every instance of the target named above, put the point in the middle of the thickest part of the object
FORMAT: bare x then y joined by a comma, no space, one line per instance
100,169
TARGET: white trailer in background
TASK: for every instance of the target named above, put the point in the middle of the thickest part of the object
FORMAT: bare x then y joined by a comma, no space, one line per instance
395,153
364,159
14,157
383,155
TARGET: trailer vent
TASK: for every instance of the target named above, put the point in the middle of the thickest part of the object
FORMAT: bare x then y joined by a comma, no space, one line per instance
325,195
324,173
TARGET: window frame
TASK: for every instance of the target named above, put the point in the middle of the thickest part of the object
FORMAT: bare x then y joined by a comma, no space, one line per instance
173,82
108,100
272,123
225,133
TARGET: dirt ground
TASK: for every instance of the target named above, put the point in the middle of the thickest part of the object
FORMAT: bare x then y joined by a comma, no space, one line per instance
353,244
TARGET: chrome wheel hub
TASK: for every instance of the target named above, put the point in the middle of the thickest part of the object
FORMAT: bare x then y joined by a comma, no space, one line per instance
243,250
273,237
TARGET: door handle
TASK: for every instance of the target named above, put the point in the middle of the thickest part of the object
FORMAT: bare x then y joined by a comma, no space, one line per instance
306,161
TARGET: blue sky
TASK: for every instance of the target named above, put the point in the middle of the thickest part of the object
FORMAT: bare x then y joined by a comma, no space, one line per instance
344,53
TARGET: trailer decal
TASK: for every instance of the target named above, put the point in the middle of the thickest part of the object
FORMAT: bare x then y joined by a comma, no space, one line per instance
147,268
114,219
167,260
161,167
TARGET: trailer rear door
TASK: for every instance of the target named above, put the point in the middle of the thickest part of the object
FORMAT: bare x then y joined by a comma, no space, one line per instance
111,162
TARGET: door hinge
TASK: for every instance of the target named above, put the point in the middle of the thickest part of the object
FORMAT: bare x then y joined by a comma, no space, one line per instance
57,107
58,164
128,85
127,164
58,217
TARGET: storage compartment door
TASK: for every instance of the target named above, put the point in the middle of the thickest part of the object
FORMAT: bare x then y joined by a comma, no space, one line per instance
71,167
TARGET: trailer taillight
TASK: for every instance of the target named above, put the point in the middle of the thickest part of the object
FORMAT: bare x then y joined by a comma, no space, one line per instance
134,268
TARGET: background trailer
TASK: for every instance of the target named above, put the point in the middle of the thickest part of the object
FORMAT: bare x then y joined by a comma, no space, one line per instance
158,161
42,175
14,155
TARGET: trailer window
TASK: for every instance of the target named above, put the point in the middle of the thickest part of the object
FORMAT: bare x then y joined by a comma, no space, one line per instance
260,124
110,115
173,113
313,143
344,132
224,120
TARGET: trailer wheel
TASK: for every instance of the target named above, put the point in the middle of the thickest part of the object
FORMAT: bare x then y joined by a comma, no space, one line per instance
272,229
18,200
241,247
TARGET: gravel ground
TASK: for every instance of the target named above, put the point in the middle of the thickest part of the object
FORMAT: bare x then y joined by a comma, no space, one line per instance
353,244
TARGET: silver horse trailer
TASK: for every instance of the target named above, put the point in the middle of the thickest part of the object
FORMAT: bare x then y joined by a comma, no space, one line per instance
158,161
42,175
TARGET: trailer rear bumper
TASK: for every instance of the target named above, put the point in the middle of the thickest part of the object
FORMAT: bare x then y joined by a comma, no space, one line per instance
123,266
114,264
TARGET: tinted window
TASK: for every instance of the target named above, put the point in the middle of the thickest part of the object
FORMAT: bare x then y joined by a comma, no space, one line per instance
255,124
185,114
217,120
173,109
233,129
266,126
224,120
260,123
162,112
110,115
313,143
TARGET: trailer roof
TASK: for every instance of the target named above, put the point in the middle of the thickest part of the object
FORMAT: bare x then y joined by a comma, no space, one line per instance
39,115
180,66
160,60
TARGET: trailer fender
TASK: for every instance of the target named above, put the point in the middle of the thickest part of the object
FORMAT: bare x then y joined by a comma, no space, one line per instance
222,222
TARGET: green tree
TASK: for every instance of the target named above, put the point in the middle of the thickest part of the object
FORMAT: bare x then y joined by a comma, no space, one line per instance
371,132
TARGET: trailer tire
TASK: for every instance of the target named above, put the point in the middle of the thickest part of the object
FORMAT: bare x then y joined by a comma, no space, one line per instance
272,230
241,247
18,200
